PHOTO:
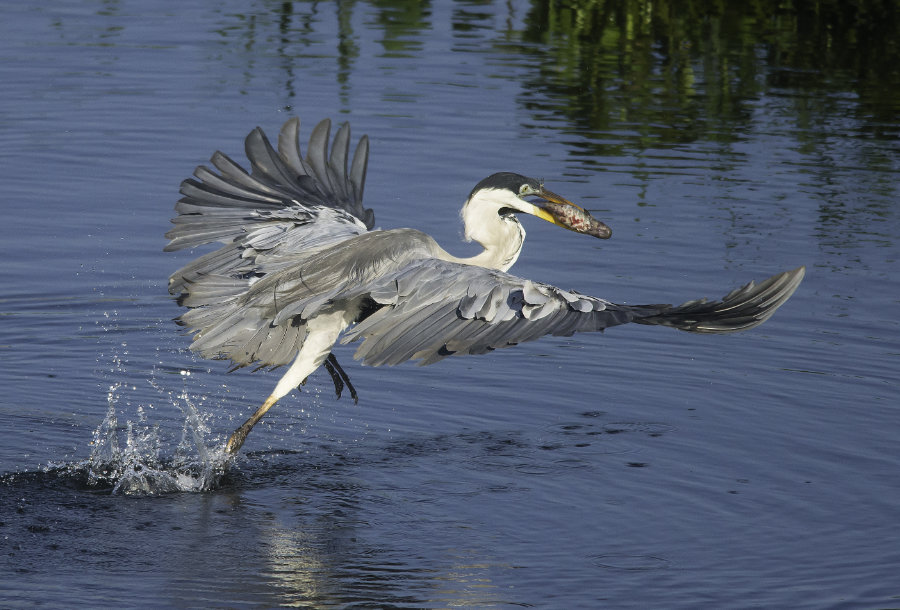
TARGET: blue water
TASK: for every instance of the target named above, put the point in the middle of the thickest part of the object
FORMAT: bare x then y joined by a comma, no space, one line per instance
638,468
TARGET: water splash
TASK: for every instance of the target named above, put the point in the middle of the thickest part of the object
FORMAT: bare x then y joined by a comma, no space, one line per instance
135,458
129,459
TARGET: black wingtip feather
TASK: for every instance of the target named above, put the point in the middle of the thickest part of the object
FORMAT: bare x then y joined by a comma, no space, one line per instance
741,309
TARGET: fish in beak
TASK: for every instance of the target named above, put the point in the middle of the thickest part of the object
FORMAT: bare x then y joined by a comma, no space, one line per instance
562,212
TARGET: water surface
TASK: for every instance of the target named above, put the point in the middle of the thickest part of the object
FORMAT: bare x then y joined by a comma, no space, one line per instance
638,468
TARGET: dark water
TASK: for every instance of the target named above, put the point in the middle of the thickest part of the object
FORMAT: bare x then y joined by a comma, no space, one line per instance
640,468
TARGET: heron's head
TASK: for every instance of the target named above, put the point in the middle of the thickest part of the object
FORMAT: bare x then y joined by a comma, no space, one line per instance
507,193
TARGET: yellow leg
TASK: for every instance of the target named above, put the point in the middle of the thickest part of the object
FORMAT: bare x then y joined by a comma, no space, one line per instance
238,437
322,331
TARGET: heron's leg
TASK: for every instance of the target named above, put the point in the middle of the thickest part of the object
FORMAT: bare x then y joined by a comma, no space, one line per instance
238,437
323,331
340,378
335,377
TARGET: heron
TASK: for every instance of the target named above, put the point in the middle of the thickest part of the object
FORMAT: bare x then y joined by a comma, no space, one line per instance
302,267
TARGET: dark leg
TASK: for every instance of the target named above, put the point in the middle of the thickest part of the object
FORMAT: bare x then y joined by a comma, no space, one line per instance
340,378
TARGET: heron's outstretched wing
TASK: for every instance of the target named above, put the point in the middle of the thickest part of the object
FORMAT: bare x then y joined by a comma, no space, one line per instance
285,206
263,319
220,207
414,304
281,213
433,309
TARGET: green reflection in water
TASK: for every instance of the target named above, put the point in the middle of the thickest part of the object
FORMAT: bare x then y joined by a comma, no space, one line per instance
801,97
680,71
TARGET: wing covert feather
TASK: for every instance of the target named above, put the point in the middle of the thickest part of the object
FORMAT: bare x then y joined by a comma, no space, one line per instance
434,308
282,212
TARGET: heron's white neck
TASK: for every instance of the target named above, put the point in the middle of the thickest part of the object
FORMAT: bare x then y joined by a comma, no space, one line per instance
501,236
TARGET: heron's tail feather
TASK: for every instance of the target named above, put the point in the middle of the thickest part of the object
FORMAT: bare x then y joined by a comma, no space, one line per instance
740,309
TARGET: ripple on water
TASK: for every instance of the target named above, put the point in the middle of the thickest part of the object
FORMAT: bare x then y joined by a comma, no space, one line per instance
586,434
628,562
527,463
436,488
649,428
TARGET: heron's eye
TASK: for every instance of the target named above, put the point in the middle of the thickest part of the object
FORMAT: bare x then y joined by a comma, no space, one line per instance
524,190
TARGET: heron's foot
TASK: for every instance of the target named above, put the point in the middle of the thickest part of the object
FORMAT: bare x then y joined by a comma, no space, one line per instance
340,378
237,438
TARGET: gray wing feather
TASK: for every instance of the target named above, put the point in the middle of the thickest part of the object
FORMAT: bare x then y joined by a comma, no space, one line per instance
221,207
434,308
288,148
358,179
741,309
318,150
337,163
271,171
283,212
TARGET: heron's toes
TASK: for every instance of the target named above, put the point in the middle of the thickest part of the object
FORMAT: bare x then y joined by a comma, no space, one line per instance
236,440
